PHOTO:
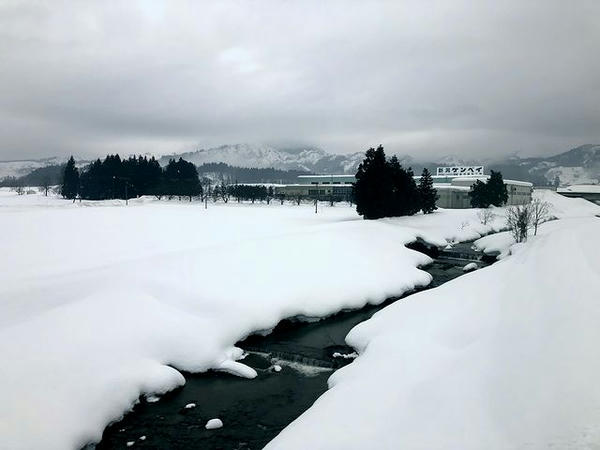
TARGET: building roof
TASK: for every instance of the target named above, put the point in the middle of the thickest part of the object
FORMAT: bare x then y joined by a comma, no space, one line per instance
473,178
451,187
327,176
581,189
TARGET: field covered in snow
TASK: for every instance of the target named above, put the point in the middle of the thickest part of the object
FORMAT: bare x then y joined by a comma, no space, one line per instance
101,303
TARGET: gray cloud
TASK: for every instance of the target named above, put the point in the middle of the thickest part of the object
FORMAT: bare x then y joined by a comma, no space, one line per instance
425,78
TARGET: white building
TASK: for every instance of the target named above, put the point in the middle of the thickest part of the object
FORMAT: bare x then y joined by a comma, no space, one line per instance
453,190
590,192
322,186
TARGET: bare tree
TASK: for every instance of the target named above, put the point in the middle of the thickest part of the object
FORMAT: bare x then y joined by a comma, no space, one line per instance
540,212
216,193
298,199
485,215
18,188
519,219
225,192
45,186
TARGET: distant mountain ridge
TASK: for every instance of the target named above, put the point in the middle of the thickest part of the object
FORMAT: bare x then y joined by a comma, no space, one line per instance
576,166
309,159
19,168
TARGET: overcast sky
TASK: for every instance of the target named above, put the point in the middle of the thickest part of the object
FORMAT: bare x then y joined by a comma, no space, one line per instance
425,78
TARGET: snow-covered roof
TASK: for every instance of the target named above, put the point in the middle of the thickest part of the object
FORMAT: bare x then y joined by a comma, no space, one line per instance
519,183
473,178
447,186
581,188
327,176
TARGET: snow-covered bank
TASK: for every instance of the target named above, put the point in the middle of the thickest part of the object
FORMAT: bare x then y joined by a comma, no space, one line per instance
560,208
502,358
100,303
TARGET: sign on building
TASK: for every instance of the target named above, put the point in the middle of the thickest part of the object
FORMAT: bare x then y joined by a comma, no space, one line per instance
457,171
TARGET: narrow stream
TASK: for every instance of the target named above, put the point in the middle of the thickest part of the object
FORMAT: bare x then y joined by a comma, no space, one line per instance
255,411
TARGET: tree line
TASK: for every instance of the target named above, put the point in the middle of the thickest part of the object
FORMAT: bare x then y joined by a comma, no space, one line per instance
384,188
235,175
114,177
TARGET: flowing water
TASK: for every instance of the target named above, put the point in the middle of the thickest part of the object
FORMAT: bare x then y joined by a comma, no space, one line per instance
293,365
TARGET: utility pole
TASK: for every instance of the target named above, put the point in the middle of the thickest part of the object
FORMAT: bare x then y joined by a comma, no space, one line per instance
317,198
206,196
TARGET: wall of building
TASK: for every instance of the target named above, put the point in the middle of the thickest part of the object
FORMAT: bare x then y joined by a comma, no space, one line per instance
593,197
455,195
453,191
322,191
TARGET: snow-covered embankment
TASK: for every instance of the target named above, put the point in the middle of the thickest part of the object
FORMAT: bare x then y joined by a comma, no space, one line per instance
502,358
100,303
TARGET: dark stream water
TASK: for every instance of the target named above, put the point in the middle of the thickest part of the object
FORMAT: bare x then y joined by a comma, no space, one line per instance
255,411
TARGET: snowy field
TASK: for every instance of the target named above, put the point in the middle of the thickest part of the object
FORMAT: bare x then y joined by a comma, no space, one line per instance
101,303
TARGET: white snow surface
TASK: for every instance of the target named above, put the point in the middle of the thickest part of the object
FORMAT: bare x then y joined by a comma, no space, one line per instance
101,303
560,208
470,267
505,357
214,424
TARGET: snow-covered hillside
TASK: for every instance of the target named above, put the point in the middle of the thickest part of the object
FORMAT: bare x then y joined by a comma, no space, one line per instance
503,358
580,165
20,168
310,159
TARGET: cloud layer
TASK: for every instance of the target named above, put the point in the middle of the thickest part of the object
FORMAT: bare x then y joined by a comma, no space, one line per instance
425,78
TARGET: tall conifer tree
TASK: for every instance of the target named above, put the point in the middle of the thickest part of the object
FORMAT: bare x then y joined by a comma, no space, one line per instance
70,182
497,191
427,193
372,189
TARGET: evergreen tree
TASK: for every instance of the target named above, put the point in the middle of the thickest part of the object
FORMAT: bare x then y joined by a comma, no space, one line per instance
70,183
497,191
404,199
181,179
427,193
492,192
479,195
373,187
414,198
556,182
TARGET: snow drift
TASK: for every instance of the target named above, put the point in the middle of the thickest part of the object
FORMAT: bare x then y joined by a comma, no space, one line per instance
502,358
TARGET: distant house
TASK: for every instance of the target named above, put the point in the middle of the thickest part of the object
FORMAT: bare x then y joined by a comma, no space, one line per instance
589,192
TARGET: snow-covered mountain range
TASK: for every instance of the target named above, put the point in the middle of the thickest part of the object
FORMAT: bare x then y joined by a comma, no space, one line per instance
310,159
579,165
24,167
576,166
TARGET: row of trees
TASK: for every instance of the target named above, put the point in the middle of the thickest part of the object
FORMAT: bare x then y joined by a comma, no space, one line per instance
132,177
136,176
384,188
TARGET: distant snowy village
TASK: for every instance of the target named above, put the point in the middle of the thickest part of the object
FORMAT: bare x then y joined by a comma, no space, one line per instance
176,303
